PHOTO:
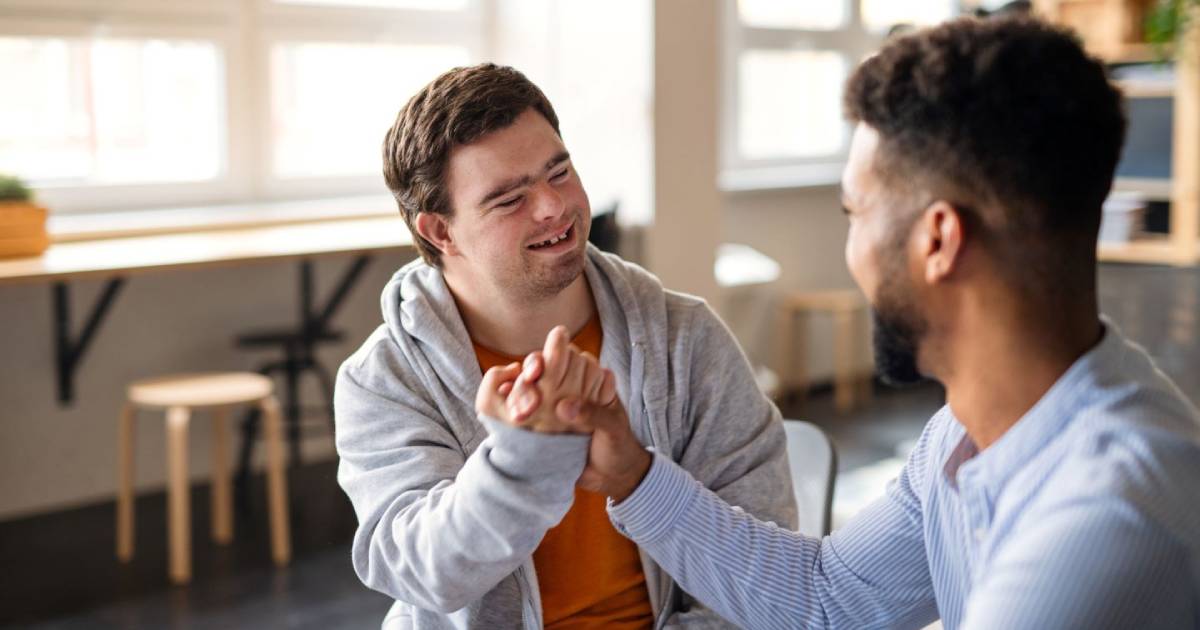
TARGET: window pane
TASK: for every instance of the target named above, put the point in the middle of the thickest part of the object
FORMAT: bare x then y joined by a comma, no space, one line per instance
105,111
436,5
332,103
789,104
881,15
802,14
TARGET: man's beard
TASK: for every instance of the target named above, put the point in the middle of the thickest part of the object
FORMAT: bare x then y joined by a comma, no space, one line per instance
897,331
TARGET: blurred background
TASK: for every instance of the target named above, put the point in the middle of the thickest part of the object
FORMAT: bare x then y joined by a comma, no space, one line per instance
211,170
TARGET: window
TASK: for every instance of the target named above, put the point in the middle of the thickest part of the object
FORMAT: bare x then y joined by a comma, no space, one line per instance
330,122
785,65
169,102
150,103
111,111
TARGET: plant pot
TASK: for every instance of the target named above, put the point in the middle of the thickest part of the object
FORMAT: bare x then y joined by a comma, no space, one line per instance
22,229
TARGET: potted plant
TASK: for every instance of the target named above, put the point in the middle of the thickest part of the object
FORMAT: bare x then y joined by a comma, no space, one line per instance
1168,22
22,222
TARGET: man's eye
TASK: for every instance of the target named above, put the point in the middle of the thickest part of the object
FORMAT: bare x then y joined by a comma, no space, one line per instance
561,175
511,203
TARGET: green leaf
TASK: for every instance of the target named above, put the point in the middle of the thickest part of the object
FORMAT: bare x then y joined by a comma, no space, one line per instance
13,189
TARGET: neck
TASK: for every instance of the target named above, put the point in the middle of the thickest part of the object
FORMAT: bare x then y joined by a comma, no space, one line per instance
998,360
515,327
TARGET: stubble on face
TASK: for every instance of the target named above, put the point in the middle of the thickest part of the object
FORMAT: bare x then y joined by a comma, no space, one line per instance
535,279
898,324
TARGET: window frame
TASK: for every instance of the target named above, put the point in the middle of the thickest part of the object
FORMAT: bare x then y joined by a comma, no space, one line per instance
243,32
852,40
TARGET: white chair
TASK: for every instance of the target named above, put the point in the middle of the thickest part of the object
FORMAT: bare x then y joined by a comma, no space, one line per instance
813,463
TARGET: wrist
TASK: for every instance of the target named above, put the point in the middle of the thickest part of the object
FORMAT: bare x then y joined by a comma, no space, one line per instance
637,472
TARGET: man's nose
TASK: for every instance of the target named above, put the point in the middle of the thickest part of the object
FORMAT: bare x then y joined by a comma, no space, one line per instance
548,203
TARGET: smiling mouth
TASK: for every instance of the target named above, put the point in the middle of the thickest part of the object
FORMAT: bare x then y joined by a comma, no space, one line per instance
566,234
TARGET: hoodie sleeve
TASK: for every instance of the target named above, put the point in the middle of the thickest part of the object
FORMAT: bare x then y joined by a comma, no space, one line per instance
736,446
436,529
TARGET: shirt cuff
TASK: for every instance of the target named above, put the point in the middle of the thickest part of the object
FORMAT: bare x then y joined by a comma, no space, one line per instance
523,453
657,503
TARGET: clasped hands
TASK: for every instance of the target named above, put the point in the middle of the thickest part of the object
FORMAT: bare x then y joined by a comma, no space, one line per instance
561,389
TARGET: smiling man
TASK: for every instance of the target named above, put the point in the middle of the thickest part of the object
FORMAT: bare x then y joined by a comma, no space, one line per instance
466,522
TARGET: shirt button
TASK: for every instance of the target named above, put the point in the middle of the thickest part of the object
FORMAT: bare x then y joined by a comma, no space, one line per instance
979,534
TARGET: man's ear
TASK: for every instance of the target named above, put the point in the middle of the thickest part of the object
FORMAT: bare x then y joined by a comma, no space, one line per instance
940,240
435,228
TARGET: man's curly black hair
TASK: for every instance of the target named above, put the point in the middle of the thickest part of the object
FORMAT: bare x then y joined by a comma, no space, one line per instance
1008,116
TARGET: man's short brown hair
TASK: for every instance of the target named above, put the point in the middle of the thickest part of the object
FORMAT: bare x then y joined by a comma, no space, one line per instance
457,108
1005,112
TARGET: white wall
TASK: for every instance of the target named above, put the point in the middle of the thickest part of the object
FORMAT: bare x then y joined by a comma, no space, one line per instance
54,457
681,243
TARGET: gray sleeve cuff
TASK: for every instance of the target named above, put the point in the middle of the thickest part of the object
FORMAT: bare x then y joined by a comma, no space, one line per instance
523,454
658,502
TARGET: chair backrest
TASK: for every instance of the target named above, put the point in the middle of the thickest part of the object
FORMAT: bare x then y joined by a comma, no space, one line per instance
813,463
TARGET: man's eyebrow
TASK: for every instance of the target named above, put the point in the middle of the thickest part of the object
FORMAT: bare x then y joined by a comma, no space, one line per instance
507,186
563,156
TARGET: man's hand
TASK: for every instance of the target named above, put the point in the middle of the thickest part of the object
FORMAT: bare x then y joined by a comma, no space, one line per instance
529,397
617,462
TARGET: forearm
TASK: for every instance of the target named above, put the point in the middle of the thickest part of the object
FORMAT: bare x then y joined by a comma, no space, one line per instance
442,547
871,573
750,572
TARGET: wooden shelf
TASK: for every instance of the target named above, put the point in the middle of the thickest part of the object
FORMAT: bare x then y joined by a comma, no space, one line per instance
1150,189
1112,29
1153,251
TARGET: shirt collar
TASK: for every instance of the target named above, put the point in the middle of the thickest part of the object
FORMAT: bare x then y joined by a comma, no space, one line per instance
992,468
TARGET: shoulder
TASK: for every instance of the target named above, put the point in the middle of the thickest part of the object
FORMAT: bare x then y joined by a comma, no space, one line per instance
1115,461
379,365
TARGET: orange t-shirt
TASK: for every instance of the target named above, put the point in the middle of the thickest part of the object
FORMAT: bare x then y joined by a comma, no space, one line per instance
590,575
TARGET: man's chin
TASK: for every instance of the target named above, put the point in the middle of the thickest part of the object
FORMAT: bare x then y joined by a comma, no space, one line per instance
554,278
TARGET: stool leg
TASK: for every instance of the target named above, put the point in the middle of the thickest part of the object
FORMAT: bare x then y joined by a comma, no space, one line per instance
843,360
281,539
793,343
222,498
800,331
125,446
179,521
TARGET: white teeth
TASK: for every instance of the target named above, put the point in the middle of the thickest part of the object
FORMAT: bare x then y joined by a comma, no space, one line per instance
554,240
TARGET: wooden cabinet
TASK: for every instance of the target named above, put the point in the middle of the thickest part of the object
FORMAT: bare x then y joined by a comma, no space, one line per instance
1112,30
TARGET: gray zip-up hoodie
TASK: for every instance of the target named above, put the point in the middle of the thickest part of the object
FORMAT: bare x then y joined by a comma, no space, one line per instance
451,506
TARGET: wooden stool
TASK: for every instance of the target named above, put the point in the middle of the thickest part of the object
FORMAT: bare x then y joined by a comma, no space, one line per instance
179,395
847,308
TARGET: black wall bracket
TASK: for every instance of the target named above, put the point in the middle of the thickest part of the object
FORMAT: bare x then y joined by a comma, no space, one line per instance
69,352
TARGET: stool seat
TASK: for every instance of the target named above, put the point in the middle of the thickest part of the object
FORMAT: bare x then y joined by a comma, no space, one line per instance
210,389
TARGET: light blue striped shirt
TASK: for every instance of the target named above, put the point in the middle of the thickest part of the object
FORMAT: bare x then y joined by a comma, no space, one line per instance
1085,514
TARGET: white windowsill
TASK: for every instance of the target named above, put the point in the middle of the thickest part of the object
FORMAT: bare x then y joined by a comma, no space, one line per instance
101,225
781,177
